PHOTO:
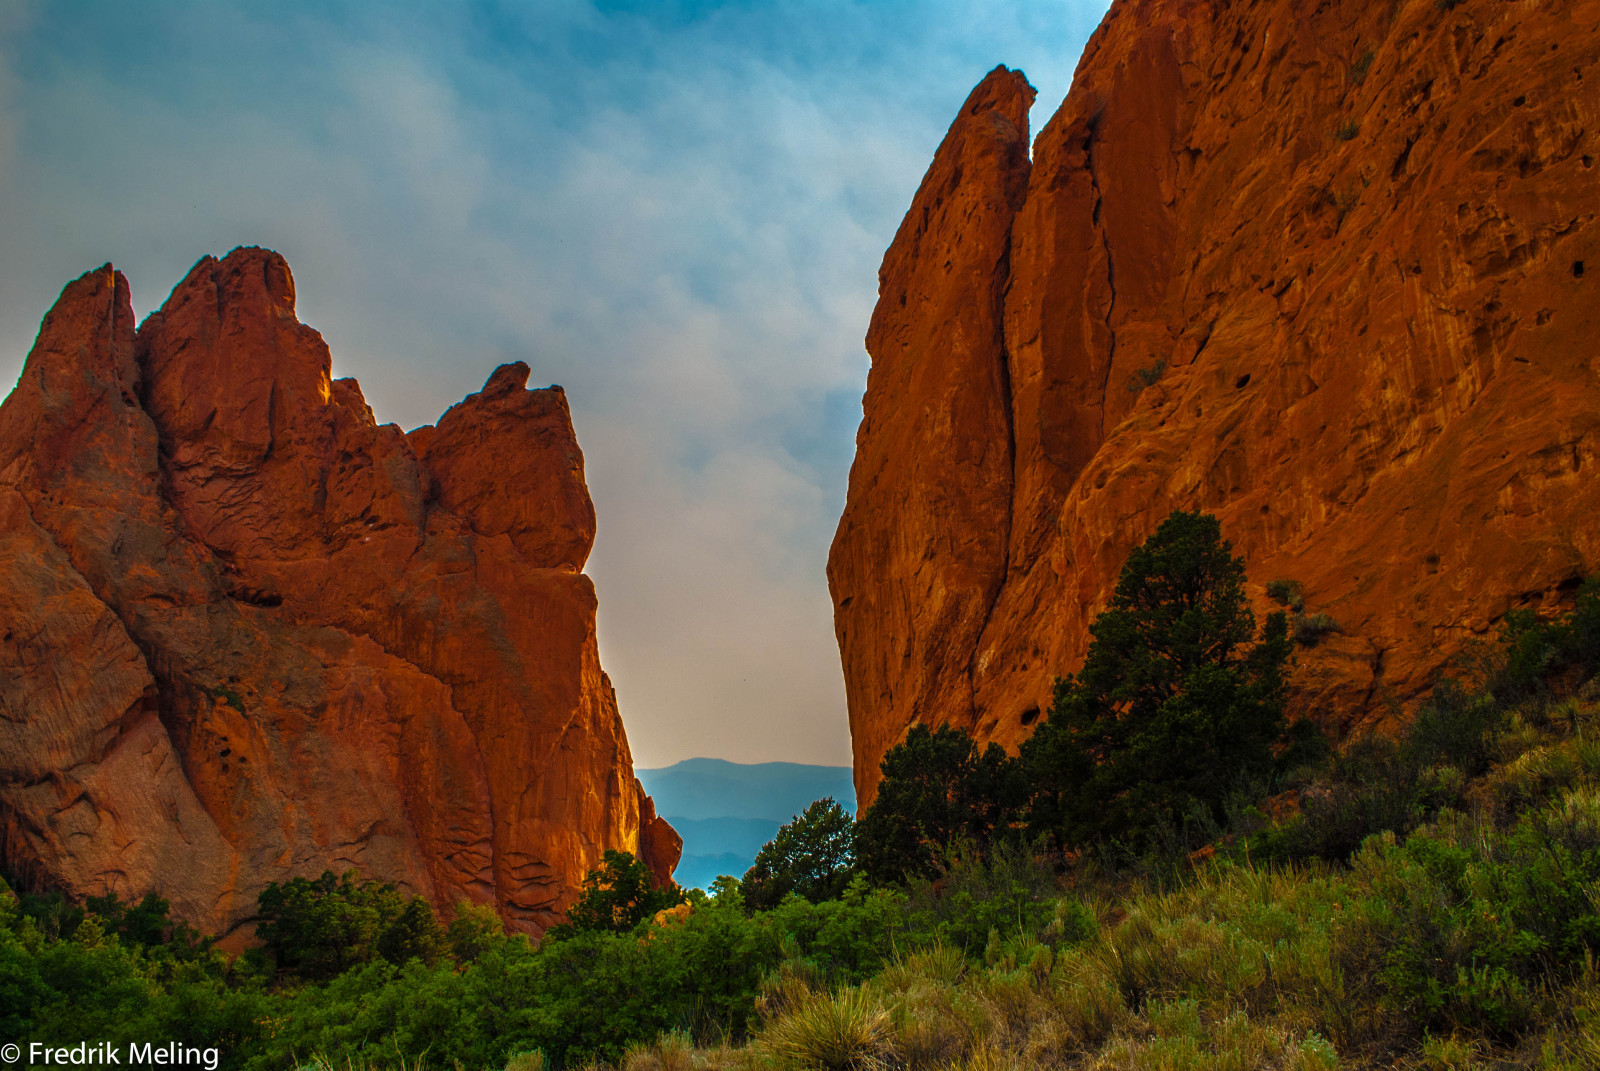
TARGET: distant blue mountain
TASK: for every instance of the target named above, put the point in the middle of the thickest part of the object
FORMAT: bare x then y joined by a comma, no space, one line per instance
722,836
716,788
726,810
699,871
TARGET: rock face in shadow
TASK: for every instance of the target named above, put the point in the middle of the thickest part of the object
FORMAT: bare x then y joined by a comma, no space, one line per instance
1317,269
247,633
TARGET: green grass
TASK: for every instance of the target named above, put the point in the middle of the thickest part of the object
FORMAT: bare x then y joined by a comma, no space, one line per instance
1463,940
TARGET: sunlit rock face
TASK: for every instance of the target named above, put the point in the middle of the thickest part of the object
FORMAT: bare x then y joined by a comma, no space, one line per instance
1317,269
247,633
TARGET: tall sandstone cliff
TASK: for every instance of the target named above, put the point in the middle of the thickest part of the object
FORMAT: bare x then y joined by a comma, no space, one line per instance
1319,269
247,633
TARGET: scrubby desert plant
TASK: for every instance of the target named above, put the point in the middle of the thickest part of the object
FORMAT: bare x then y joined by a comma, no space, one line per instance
525,1061
1360,68
1147,376
843,1031
1309,629
1286,593
673,1051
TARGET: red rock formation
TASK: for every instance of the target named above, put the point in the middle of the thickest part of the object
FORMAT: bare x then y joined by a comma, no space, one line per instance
1318,269
247,633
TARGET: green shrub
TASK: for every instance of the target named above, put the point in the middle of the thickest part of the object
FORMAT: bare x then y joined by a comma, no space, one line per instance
318,929
1148,376
617,896
1309,629
525,1061
1360,68
145,923
475,929
938,790
1456,727
1287,593
1012,892
1472,924
1539,652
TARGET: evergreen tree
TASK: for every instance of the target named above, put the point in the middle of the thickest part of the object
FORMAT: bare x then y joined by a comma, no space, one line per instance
938,789
616,897
415,934
814,855
1177,703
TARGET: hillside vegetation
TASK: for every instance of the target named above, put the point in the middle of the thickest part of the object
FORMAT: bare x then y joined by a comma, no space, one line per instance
1431,901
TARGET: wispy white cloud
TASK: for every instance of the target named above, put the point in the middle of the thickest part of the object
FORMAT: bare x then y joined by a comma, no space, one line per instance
674,209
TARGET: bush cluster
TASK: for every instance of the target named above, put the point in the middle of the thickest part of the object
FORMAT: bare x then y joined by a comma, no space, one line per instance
1177,710
1422,900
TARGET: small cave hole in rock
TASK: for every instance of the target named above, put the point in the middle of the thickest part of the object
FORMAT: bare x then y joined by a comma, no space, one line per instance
1029,716
1569,585
1242,382
225,752
1588,161
256,598
1520,101
1577,269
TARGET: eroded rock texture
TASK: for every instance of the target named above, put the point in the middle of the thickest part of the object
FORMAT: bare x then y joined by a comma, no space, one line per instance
1318,269
247,633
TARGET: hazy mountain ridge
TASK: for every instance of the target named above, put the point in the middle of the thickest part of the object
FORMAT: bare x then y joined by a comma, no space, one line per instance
725,811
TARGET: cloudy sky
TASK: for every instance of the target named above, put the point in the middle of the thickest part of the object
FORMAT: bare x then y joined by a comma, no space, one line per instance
674,209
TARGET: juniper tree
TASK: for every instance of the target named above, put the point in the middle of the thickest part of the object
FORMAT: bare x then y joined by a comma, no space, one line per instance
1178,701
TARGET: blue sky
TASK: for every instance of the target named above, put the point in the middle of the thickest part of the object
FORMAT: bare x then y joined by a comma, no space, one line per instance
674,209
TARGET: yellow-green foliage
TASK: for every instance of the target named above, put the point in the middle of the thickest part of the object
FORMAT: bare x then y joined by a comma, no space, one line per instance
1232,971
670,1052
1306,967
1181,1039
526,1061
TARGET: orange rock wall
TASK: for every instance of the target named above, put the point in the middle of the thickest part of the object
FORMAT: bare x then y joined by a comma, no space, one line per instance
1317,269
247,633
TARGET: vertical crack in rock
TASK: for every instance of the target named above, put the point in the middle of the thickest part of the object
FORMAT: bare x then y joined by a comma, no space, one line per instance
1111,271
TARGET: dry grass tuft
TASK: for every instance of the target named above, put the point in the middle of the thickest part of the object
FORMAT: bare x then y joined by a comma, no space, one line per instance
843,1031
